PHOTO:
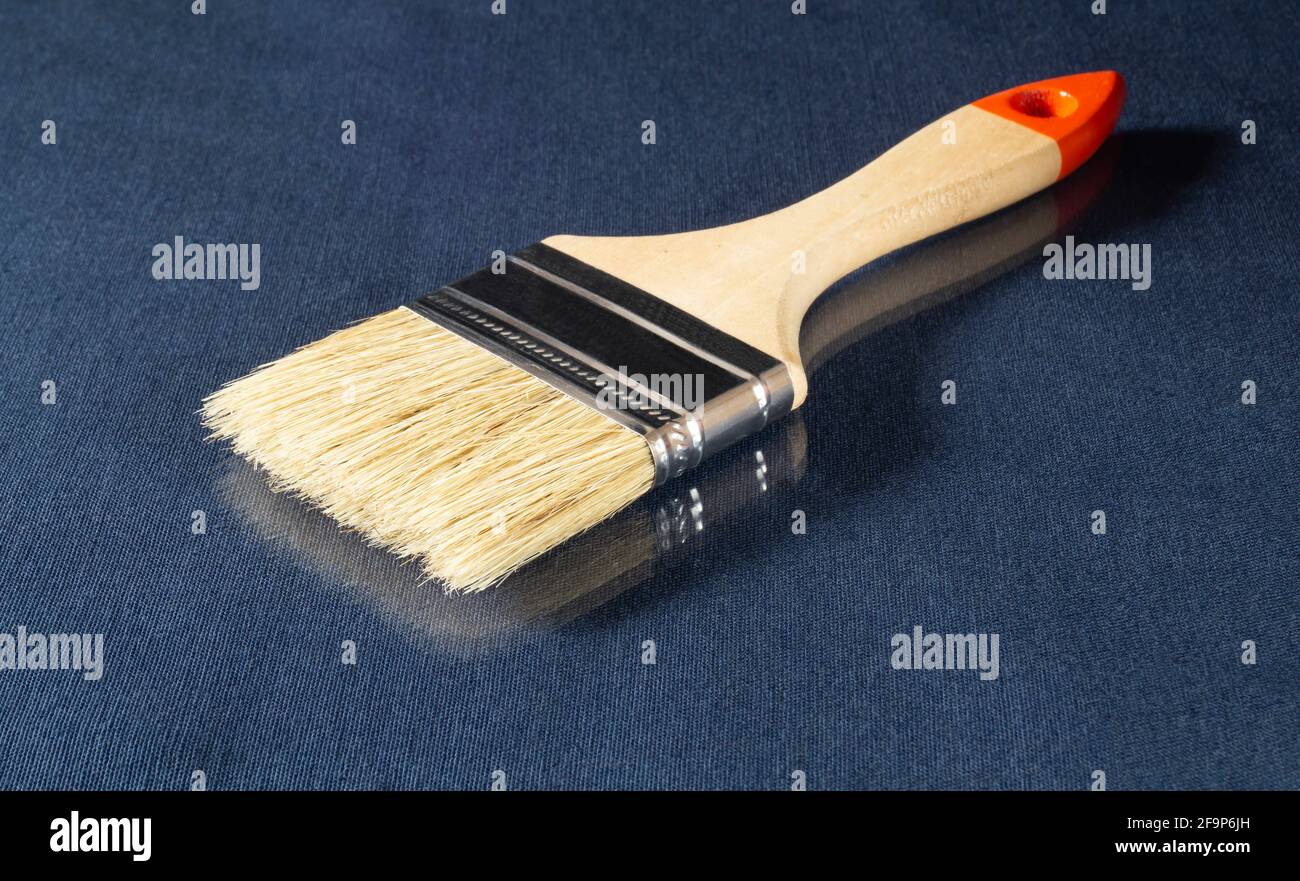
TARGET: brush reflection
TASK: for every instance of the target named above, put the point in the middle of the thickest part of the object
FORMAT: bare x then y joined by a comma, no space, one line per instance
585,573
704,514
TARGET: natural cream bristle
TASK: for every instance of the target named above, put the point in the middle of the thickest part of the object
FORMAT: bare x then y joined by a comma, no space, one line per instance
432,447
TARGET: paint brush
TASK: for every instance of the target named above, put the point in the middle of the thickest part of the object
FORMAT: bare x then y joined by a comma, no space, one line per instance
494,418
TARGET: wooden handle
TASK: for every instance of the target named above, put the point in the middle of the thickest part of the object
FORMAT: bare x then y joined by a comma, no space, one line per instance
756,279
927,276
936,272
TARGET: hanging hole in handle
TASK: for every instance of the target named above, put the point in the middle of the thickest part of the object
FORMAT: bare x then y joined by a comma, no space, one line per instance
1044,103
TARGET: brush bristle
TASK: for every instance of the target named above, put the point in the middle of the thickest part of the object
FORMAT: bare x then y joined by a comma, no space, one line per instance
432,447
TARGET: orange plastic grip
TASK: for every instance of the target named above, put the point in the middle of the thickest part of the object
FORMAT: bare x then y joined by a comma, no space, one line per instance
1078,111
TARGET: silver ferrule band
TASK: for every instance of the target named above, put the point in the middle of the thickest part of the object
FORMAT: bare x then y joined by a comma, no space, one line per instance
687,388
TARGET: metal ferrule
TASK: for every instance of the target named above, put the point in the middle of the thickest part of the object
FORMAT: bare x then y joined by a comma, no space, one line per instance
688,388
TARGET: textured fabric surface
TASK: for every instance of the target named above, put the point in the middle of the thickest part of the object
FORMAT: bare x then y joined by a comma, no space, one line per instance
1119,652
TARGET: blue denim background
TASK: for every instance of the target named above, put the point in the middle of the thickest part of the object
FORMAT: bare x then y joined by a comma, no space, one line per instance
1118,652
